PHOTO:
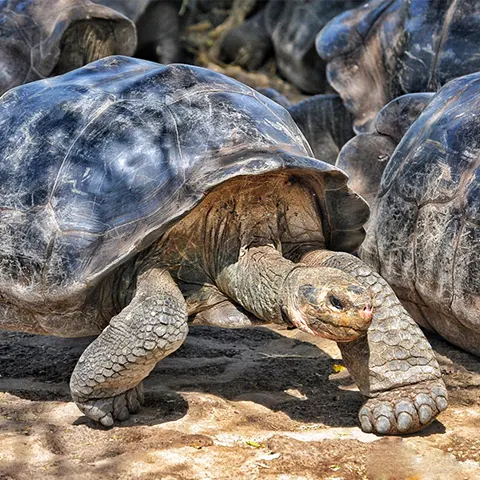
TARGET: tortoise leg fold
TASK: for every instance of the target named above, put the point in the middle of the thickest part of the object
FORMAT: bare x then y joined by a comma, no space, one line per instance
393,364
256,281
106,382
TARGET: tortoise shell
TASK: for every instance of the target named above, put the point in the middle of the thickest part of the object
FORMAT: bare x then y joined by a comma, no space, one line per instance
32,34
98,163
424,235
388,48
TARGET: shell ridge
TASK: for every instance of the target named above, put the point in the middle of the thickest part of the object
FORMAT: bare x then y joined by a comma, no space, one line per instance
177,139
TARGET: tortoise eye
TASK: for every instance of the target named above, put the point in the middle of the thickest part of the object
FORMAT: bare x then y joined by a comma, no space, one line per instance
336,302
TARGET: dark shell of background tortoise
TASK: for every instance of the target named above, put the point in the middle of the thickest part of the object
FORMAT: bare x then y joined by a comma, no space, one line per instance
388,48
128,147
366,155
323,119
159,27
33,35
326,124
248,45
293,27
424,234
288,30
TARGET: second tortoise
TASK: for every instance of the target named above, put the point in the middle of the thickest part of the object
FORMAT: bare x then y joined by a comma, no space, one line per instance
420,172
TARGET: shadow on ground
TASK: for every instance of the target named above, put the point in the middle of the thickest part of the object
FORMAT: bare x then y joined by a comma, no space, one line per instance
247,403
257,364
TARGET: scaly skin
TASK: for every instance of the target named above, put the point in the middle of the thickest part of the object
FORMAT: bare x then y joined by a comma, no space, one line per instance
277,290
226,314
393,364
106,382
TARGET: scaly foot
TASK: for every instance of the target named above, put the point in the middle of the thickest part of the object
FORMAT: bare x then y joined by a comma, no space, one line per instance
119,407
405,409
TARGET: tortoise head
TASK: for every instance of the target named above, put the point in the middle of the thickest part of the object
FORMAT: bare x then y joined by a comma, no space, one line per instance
327,302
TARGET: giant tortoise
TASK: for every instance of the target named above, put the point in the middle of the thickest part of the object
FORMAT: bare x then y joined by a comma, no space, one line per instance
422,178
40,38
135,195
387,48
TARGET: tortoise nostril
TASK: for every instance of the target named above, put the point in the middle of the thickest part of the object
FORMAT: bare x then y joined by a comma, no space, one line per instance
367,312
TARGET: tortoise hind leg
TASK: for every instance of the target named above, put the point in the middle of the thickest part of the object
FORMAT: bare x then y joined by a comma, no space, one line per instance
393,364
106,382
226,314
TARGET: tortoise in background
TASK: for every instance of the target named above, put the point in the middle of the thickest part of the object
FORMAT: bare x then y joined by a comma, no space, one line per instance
388,48
323,119
142,194
286,30
40,38
161,24
158,27
422,178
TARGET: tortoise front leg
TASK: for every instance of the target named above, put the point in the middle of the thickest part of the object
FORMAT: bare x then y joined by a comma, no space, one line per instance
393,364
106,382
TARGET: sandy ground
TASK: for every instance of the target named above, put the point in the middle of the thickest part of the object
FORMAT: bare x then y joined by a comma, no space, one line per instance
229,404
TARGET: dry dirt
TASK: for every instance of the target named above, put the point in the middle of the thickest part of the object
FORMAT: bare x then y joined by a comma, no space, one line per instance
229,404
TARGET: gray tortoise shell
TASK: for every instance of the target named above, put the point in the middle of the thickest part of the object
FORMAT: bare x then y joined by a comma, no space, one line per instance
132,9
387,48
31,33
293,26
98,163
426,230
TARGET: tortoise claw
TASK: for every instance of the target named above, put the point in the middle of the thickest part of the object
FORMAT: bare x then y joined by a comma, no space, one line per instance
118,407
404,410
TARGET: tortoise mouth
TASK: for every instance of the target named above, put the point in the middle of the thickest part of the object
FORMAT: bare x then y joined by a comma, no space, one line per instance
344,334
328,330
341,334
